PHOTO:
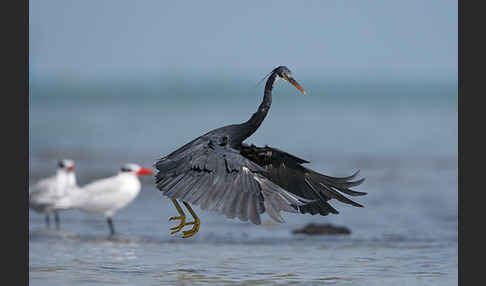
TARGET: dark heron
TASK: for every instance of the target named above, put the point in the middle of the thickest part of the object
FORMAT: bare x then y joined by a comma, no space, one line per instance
218,172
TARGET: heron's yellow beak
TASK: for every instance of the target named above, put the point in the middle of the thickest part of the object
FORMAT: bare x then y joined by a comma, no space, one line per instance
296,84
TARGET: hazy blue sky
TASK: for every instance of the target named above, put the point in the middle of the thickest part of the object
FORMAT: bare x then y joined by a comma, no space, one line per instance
98,38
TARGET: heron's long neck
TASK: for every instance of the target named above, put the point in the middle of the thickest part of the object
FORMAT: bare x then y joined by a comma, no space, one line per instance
249,127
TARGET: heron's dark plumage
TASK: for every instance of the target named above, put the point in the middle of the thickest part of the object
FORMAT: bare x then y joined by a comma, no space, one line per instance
286,171
219,178
218,172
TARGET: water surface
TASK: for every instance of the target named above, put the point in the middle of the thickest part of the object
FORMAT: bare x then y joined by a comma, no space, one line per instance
402,136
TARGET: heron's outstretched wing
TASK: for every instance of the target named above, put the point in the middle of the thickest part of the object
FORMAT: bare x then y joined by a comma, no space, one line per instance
286,171
219,178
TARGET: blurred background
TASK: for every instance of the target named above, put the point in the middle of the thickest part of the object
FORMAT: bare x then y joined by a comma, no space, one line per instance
113,82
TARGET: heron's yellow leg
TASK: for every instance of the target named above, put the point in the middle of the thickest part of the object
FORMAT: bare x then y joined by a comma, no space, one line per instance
195,223
181,217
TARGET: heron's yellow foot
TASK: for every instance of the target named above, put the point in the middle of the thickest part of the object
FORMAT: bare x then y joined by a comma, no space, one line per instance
194,230
178,228
195,223
181,217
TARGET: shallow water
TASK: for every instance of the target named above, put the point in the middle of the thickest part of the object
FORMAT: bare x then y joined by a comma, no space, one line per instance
406,148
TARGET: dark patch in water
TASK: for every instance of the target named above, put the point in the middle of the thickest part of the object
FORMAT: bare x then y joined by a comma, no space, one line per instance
322,229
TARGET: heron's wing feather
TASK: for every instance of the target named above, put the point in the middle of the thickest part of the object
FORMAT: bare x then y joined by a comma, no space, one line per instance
286,171
219,178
